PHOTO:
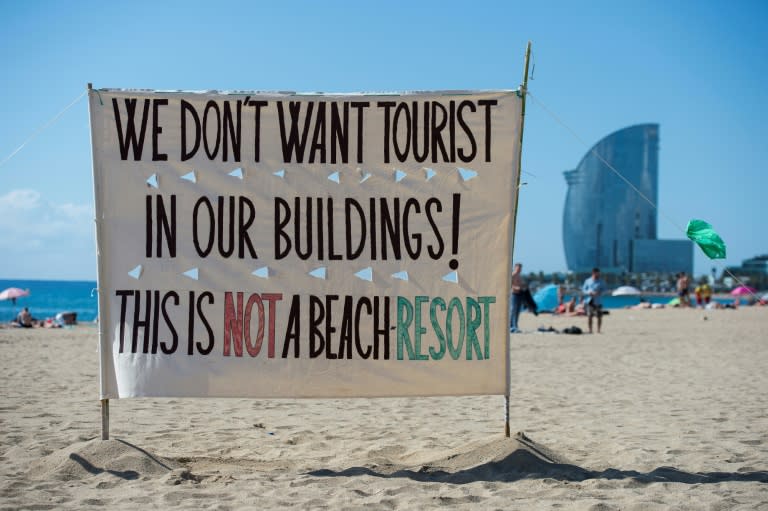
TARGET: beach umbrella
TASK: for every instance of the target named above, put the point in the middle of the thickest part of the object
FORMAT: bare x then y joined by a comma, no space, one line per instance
626,291
546,297
12,293
743,290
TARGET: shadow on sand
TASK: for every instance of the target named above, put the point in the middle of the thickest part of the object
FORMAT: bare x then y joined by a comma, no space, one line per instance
521,458
92,457
94,470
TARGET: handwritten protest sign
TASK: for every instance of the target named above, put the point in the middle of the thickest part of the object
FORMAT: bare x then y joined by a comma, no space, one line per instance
286,245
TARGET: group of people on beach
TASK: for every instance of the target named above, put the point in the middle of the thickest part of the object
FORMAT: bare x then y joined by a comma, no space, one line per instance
592,307
24,319
702,293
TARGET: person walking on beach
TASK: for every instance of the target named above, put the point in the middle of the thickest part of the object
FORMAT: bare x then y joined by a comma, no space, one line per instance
518,288
593,305
682,290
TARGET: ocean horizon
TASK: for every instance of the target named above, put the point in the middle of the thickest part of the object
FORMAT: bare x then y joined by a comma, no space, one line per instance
50,297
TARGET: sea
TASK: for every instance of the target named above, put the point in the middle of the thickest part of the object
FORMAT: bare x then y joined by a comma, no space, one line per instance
49,297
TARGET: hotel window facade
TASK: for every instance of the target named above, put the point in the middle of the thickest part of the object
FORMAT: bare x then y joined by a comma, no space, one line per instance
609,225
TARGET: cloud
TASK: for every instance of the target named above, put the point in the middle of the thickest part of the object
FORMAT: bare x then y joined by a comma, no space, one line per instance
30,223
19,200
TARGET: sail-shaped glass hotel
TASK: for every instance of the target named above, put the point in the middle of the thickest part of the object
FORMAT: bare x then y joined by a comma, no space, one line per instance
610,225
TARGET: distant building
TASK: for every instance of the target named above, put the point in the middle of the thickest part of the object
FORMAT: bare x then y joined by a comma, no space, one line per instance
608,224
754,266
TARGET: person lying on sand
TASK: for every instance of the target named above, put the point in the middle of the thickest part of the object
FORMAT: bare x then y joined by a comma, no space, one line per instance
570,308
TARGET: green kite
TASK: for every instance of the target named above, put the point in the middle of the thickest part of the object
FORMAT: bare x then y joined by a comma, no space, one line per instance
706,237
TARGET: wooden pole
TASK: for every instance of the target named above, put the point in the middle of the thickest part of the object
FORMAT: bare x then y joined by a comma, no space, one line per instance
523,92
102,305
105,419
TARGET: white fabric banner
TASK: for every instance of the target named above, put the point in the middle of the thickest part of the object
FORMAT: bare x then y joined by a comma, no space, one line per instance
293,245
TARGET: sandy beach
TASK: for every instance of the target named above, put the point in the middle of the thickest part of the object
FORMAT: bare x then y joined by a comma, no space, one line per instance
666,409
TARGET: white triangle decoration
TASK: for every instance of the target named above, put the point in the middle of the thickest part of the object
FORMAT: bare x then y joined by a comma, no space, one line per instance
136,272
451,277
401,275
280,173
334,177
318,273
238,173
365,274
466,174
399,175
192,274
153,181
190,176
430,173
262,272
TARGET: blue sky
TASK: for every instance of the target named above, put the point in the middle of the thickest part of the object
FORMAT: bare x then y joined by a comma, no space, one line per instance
698,69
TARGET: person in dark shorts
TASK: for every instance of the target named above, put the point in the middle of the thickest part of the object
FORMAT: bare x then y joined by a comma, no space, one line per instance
593,304
683,283
518,287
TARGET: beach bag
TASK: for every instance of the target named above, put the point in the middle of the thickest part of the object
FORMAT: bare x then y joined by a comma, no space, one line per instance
572,330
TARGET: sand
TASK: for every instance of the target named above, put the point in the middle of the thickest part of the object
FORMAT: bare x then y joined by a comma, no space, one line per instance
664,409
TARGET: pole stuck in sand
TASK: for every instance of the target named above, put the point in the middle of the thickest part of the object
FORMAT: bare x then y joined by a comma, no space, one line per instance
105,419
523,92
102,309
